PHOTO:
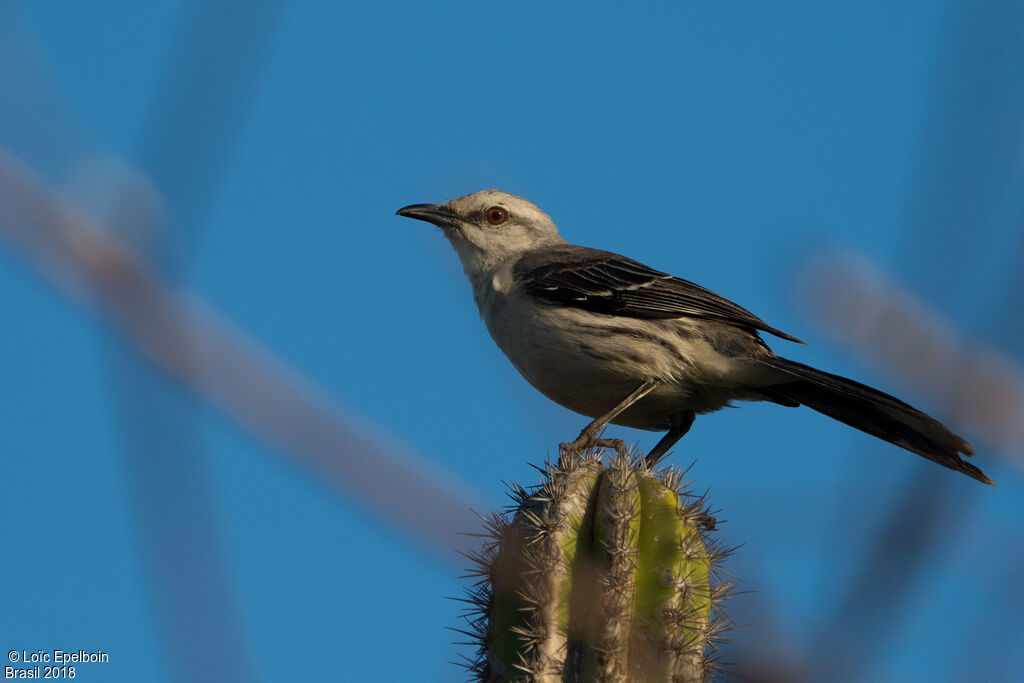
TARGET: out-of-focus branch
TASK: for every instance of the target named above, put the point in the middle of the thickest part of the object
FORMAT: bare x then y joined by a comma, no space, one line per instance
193,119
969,175
981,389
978,390
232,372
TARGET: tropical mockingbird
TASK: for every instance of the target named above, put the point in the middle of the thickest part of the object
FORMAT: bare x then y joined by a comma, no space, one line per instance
615,340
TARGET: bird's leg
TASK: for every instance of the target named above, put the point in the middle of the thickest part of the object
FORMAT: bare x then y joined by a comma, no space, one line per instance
678,431
588,437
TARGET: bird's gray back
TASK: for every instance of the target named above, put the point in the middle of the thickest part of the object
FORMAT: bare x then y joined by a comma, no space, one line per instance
606,282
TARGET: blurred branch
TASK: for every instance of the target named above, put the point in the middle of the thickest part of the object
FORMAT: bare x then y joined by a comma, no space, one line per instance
35,121
197,113
192,122
870,607
230,371
969,177
982,389
996,643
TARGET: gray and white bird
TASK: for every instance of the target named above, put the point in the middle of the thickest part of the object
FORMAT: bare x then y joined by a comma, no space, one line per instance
615,340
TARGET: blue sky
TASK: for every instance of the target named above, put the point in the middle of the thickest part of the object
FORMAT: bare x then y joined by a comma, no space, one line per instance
727,143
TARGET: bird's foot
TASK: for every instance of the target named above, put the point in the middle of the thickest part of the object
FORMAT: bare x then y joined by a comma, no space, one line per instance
586,440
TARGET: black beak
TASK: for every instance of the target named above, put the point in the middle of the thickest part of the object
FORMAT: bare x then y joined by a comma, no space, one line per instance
437,214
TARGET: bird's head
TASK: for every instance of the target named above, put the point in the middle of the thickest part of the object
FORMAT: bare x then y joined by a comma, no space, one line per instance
488,228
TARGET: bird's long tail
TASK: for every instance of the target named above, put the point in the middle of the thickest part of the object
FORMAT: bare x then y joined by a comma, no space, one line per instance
871,411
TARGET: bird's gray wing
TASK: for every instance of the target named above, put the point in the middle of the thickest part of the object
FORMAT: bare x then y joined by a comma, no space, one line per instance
605,282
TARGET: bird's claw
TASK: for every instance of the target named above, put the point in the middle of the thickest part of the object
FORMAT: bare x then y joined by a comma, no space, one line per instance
586,441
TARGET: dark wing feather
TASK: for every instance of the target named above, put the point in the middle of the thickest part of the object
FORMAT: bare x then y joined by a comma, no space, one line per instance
604,282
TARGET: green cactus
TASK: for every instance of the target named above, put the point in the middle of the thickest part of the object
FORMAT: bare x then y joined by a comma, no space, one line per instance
601,573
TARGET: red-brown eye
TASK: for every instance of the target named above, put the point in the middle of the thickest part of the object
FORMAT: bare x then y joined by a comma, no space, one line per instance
497,215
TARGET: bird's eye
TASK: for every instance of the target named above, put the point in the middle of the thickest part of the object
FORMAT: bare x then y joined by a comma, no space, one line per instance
497,215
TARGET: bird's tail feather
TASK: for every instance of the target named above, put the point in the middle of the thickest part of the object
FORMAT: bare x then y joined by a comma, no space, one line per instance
872,411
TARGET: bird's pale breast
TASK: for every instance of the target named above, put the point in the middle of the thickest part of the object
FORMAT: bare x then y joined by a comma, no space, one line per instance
589,362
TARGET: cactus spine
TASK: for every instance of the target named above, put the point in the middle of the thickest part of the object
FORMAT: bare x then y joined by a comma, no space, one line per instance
601,573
